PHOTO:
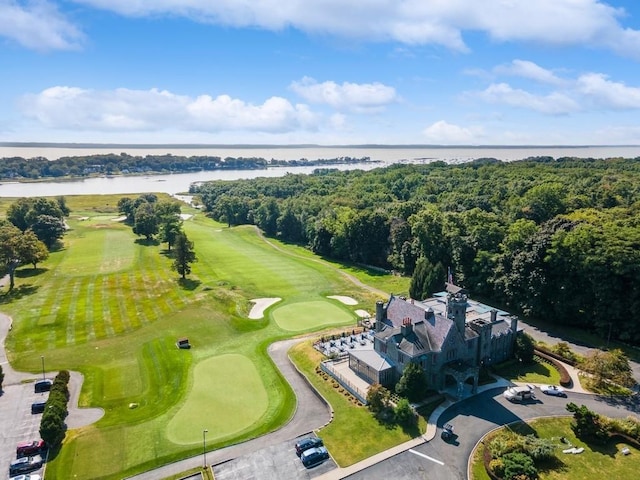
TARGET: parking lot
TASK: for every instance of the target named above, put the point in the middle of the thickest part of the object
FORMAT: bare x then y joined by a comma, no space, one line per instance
17,424
278,462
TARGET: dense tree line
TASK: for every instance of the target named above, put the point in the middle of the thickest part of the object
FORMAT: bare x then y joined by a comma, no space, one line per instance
557,239
123,163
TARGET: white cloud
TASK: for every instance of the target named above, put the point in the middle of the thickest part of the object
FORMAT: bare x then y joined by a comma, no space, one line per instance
412,22
530,70
597,88
153,110
554,103
37,25
357,97
443,133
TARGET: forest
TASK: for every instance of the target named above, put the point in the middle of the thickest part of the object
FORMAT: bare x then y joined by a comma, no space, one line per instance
18,168
554,239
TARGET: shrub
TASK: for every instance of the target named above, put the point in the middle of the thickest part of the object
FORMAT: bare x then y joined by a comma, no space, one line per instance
497,467
519,466
52,426
404,414
588,425
524,348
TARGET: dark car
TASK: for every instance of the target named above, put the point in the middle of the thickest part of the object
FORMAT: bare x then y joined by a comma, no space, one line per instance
38,407
25,464
26,449
307,443
314,456
43,385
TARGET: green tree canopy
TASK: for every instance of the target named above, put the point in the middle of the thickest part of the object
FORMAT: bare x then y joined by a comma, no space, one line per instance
183,255
412,384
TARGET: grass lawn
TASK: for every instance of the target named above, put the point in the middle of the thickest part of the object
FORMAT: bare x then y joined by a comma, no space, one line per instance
301,316
112,308
217,380
354,434
536,372
597,461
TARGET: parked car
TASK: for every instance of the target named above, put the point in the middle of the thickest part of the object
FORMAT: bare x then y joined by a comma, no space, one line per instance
25,464
314,456
519,394
553,390
43,385
28,476
25,449
307,443
38,407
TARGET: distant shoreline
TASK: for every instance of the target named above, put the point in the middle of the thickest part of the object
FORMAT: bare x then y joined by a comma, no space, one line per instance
292,146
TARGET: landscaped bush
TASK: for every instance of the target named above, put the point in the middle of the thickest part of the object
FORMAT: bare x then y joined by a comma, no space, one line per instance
52,425
404,414
519,466
588,425
565,378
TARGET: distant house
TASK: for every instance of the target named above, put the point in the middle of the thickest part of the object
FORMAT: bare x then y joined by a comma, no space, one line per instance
449,335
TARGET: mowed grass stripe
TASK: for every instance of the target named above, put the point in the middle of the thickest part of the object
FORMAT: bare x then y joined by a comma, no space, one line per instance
121,294
96,307
107,306
70,306
87,304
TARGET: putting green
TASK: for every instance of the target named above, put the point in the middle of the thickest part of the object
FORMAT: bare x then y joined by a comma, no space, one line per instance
228,396
307,315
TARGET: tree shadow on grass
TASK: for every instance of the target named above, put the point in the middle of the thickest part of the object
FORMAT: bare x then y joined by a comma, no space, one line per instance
189,284
30,272
17,293
147,242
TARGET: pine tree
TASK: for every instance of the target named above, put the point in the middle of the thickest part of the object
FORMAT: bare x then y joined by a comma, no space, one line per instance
183,255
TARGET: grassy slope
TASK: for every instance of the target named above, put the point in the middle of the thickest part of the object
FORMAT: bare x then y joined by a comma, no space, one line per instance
112,309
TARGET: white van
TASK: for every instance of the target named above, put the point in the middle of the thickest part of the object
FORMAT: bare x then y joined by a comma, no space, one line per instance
519,394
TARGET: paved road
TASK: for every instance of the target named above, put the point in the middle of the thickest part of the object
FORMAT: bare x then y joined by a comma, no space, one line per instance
547,335
472,419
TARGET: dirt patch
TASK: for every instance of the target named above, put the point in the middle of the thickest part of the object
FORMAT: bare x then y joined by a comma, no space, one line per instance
261,304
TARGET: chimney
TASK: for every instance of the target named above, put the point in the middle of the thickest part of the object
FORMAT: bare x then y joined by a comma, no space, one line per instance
494,315
379,314
407,327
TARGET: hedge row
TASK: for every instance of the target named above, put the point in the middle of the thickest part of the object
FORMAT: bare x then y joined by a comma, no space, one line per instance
553,354
565,378
52,425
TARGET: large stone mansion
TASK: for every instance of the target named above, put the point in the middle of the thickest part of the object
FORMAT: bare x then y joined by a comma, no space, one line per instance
449,335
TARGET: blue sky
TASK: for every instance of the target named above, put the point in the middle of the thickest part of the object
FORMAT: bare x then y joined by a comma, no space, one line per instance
330,72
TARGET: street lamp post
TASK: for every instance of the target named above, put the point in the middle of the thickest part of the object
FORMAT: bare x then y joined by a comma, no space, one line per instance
42,358
204,448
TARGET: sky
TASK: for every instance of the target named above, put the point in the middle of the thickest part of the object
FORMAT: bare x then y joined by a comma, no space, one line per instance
327,72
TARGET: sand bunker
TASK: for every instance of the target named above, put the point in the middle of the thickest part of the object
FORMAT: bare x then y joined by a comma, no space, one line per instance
363,314
119,219
261,304
343,299
185,216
